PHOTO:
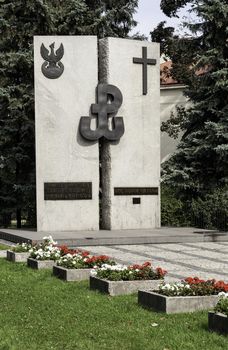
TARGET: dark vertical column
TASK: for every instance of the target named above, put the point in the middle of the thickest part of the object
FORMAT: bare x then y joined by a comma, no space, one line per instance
104,146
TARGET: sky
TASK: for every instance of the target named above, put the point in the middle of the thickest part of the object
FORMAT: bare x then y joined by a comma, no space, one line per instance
149,15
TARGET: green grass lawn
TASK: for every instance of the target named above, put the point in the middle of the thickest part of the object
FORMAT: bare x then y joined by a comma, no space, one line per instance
38,311
4,247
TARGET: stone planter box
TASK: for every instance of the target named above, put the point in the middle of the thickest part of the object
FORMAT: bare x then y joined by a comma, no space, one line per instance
17,257
171,305
70,275
3,253
217,322
40,264
122,287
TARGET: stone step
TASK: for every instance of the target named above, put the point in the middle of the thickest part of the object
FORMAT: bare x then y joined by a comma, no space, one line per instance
96,238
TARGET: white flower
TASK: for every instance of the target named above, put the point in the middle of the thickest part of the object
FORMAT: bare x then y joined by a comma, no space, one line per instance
223,295
93,272
117,267
49,239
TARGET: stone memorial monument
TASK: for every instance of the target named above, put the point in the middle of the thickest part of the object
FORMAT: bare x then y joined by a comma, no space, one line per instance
97,133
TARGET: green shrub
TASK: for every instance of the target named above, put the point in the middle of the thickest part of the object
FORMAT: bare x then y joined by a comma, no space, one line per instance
222,306
209,211
173,210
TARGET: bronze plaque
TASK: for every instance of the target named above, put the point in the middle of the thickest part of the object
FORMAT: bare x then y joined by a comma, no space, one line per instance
58,191
136,200
135,191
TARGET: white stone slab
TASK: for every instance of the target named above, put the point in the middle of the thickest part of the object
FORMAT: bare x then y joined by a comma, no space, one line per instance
40,264
70,275
16,256
134,161
61,153
114,288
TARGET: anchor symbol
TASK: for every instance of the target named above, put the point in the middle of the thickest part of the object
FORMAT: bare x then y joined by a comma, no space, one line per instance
109,99
52,68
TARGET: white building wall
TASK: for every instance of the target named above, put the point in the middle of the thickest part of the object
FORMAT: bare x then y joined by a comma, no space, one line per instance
171,96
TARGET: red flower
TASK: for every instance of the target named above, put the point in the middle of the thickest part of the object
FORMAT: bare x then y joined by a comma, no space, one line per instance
146,264
194,280
161,272
84,253
135,267
221,286
65,250
140,267
97,260
189,280
216,286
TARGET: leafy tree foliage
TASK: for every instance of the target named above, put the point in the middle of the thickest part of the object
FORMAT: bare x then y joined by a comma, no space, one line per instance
165,36
117,18
95,17
170,7
200,61
19,21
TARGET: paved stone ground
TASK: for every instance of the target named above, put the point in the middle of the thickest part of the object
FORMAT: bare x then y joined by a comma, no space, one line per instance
204,259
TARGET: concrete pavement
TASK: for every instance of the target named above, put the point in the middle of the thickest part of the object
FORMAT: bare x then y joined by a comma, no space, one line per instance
203,259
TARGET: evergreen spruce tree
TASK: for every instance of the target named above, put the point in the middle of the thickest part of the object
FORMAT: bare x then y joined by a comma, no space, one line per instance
200,61
96,17
20,20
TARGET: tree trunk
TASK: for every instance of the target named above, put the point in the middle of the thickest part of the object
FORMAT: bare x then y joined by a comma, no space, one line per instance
6,220
18,217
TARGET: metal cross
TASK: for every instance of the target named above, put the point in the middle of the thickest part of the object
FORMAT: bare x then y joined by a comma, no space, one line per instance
144,61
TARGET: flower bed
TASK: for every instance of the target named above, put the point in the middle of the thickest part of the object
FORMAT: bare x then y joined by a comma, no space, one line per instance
129,273
64,250
193,286
222,305
121,279
19,253
47,250
189,295
22,248
218,319
82,260
44,255
77,266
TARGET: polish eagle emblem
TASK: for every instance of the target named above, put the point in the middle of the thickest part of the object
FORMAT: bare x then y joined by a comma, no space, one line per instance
52,68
